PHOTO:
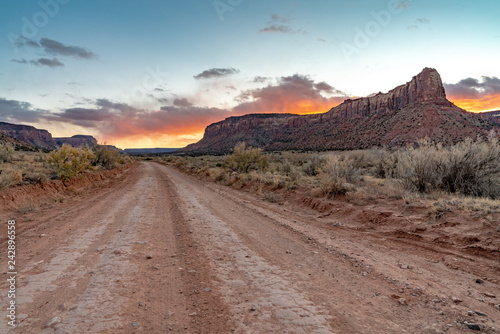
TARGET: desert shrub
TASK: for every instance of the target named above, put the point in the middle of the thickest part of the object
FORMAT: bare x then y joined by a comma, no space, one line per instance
6,152
341,168
71,161
471,167
418,167
243,159
385,165
106,157
313,166
10,178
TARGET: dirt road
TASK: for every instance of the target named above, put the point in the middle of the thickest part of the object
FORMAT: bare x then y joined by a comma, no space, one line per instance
161,251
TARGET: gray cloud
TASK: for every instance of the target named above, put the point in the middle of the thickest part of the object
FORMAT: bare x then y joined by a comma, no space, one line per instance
471,88
57,48
54,62
19,111
216,73
20,61
259,79
287,95
22,41
182,103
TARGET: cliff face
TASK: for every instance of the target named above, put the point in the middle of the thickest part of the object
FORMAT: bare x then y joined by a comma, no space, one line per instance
42,138
29,134
76,141
426,87
408,112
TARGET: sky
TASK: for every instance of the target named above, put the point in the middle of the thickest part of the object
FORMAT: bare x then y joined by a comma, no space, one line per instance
155,73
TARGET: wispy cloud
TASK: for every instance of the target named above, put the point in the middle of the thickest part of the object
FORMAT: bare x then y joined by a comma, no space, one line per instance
280,24
216,73
57,48
54,62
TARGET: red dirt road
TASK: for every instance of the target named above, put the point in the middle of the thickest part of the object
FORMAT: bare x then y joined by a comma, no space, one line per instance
159,251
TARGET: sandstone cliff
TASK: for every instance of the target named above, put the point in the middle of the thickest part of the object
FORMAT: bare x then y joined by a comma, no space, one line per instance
29,134
76,141
408,112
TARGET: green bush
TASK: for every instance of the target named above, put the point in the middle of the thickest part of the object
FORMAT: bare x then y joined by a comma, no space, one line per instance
244,159
71,161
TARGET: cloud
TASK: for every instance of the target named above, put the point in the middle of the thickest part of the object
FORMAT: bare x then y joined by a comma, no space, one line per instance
54,62
322,40
182,103
57,48
22,41
403,4
20,61
422,20
279,24
259,79
475,95
19,112
216,73
292,94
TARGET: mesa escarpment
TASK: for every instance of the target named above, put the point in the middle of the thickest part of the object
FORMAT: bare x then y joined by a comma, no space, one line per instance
31,137
408,112
29,134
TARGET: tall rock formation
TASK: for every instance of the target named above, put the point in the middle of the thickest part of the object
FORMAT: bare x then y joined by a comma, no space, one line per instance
408,112
76,141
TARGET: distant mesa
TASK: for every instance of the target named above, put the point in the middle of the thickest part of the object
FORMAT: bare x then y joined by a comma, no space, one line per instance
408,112
76,141
29,137
141,151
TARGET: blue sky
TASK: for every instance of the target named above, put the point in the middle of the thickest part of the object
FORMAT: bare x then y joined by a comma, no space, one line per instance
156,73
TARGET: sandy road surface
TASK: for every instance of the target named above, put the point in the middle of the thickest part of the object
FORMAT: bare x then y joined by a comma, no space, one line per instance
160,251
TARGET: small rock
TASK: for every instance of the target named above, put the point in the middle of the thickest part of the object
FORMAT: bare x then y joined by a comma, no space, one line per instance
336,224
481,314
117,252
288,251
405,266
456,300
119,230
194,314
435,301
471,313
149,256
474,327
100,249
479,281
62,307
402,301
207,289
489,295
253,309
135,324
53,321
143,242
43,235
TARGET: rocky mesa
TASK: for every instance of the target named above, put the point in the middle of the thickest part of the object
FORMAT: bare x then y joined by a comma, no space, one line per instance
39,138
408,112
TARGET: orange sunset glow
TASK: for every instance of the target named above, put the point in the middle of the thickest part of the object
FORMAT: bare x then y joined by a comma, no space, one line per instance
486,103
